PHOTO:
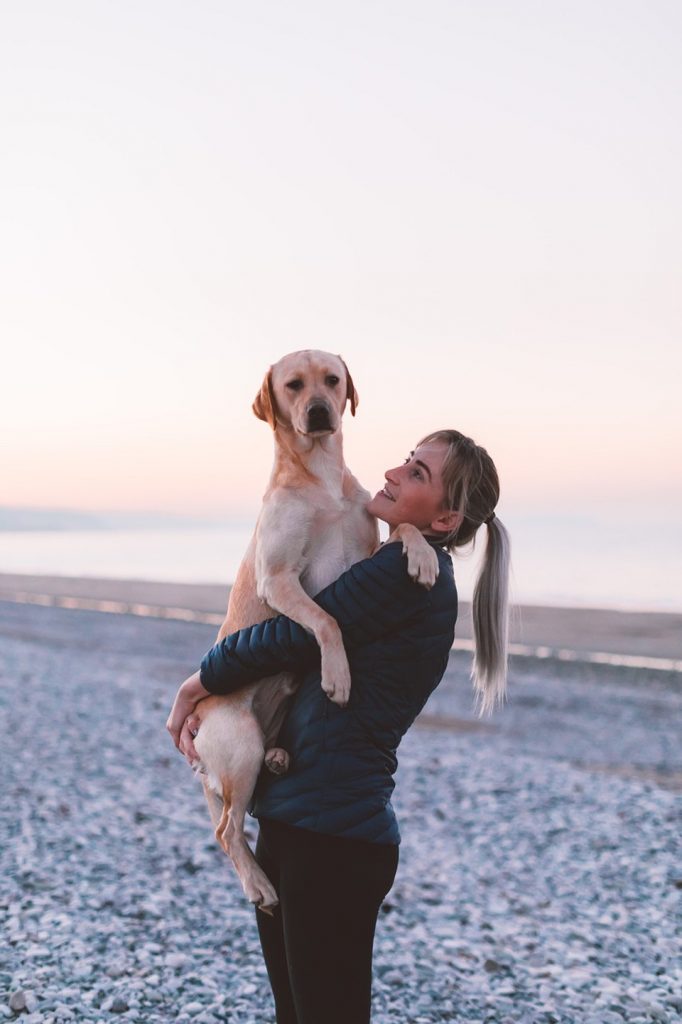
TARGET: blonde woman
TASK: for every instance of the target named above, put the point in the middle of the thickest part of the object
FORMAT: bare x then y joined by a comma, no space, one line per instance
328,835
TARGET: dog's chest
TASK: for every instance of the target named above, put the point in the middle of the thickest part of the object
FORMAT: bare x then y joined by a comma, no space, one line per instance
338,539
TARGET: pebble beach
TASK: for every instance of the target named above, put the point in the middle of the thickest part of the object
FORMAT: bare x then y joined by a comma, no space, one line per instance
540,874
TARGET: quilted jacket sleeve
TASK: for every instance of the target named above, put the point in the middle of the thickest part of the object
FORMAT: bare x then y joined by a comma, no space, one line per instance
373,598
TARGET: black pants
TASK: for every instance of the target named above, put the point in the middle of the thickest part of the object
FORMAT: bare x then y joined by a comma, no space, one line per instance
318,945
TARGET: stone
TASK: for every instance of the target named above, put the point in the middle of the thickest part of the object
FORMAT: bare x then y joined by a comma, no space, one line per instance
17,1001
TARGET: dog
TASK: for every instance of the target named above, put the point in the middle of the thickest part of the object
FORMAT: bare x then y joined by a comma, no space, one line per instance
313,525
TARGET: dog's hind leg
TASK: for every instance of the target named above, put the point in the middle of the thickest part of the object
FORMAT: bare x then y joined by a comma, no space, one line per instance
215,803
230,833
231,748
277,760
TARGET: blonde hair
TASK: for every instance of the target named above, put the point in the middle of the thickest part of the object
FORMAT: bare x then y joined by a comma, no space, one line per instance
472,488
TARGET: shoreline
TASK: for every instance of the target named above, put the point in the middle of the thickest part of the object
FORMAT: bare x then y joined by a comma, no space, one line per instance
543,630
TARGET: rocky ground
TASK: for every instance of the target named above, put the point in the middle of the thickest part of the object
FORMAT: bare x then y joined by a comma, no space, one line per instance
540,875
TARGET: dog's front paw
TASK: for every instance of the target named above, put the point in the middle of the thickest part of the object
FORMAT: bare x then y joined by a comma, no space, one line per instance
422,562
336,683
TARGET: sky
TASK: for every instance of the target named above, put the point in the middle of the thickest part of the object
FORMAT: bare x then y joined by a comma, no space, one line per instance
477,204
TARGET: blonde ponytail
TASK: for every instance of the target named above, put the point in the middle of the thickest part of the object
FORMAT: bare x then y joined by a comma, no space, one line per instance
490,616
472,488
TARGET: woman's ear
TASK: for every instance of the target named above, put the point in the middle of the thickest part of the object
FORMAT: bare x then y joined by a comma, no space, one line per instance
351,393
446,522
264,405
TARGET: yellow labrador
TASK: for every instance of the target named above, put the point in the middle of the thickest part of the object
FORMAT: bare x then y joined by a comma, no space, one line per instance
313,525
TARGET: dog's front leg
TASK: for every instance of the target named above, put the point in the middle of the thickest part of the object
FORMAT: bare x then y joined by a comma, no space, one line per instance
422,560
283,591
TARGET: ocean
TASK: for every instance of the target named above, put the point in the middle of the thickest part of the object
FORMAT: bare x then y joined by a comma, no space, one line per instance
555,562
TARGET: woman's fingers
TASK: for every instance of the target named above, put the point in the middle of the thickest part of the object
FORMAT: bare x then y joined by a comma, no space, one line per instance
186,744
183,706
173,728
177,718
182,723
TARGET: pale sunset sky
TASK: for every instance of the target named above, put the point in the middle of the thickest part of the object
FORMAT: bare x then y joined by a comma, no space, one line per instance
477,204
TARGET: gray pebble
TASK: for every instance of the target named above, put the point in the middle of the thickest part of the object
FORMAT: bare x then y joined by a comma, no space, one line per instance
17,1001
119,1005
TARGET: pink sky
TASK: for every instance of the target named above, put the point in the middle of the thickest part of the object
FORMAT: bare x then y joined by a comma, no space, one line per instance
479,209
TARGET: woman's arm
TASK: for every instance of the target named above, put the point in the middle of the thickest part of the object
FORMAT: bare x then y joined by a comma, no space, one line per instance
373,598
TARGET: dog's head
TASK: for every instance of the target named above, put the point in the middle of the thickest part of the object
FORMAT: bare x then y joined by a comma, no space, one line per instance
308,391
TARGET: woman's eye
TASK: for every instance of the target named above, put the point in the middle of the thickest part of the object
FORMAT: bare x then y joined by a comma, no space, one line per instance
295,385
332,381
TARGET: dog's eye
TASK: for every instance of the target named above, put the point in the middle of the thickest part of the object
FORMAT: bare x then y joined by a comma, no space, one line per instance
295,385
332,381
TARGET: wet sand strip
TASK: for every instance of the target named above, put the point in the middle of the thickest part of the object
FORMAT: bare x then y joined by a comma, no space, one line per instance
646,640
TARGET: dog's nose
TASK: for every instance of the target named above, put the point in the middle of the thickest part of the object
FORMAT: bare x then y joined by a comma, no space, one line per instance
318,417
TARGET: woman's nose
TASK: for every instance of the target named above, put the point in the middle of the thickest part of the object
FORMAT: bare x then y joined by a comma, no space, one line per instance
390,475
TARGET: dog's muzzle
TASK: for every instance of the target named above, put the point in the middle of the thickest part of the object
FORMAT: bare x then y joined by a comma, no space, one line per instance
319,418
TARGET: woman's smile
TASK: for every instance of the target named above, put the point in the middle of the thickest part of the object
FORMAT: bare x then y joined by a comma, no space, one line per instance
413,493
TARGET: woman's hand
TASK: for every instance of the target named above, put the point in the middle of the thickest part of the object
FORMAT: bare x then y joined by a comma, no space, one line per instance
182,723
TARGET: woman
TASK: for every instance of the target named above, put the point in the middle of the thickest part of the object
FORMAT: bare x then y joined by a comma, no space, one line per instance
328,835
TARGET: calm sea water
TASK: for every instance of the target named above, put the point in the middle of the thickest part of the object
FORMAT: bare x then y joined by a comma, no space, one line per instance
554,562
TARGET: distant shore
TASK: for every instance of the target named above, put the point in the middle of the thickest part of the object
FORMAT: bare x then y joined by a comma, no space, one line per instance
583,630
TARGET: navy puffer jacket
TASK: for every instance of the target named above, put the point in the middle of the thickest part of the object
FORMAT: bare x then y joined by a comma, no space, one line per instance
398,637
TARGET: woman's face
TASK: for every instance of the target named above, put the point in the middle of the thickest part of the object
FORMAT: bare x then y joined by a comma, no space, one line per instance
414,492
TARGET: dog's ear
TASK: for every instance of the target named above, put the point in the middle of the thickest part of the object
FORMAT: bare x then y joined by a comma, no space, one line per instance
351,393
264,405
